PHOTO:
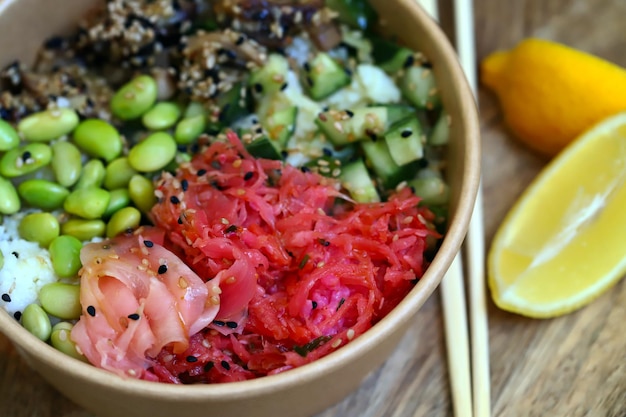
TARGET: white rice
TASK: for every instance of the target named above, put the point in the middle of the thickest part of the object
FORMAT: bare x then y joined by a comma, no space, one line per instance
27,268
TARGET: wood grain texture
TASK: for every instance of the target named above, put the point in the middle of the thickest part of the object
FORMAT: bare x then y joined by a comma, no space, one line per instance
570,366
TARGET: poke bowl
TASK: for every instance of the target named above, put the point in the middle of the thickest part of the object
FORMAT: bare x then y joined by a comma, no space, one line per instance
260,273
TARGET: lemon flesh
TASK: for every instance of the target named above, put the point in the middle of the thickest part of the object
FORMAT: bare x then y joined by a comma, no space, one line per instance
564,241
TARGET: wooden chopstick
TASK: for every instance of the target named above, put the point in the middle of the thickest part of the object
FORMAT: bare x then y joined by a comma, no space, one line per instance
452,286
474,243
455,314
457,338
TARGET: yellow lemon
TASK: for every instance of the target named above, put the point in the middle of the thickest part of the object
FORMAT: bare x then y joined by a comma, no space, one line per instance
551,93
564,241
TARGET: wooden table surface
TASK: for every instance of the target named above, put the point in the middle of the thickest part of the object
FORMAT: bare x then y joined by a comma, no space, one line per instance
570,366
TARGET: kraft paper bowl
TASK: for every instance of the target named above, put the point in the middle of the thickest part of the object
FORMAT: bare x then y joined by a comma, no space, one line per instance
312,388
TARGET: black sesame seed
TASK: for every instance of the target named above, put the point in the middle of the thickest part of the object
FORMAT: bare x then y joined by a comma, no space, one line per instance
350,113
314,304
323,242
284,87
225,365
409,61
309,81
192,359
201,172
248,175
284,154
180,219
91,310
231,229
6,297
259,130
231,324
162,269
258,88
26,155
305,169
327,152
219,323
209,365
174,200
241,39
17,315
148,243
406,133
184,184
371,134
306,66
348,72
133,316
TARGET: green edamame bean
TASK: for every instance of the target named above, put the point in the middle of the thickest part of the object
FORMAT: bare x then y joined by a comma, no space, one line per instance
61,341
120,198
162,116
92,175
99,139
194,109
118,173
124,219
134,98
25,159
9,138
88,203
65,325
48,125
43,194
61,300
39,227
141,191
83,229
36,321
66,163
9,199
188,130
1,259
153,153
65,255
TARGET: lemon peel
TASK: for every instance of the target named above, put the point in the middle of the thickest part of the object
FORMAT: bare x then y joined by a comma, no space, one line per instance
550,93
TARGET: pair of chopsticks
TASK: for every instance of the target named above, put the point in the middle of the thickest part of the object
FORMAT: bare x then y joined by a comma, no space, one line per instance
469,372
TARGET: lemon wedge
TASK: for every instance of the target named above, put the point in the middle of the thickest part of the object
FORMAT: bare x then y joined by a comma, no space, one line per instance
563,243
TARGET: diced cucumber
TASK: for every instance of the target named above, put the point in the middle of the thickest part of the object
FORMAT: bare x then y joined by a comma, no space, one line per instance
358,14
419,88
356,179
260,146
441,131
233,105
331,163
404,140
322,76
403,58
354,40
431,188
271,77
280,125
397,111
343,127
383,165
